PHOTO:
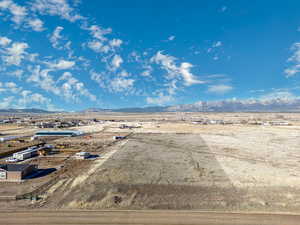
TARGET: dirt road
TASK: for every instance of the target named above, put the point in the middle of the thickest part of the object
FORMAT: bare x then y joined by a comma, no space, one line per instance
144,217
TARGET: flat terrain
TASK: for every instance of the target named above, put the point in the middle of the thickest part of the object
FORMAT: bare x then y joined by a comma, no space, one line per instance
144,217
168,162
226,171
170,171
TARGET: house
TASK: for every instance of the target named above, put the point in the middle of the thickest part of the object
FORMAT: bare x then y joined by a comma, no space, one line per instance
15,172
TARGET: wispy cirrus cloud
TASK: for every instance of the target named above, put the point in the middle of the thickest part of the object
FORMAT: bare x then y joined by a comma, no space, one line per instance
294,60
219,89
59,8
61,64
161,99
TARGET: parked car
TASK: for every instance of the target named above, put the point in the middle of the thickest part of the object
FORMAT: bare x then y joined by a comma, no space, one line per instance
12,160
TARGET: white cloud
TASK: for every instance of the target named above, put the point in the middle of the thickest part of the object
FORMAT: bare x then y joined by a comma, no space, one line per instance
219,89
18,12
95,76
167,63
23,98
282,95
98,32
59,42
36,24
15,53
121,84
116,62
217,44
27,97
43,80
292,71
16,73
147,70
188,77
36,97
59,8
6,102
21,16
98,46
32,57
17,48
61,65
55,37
4,41
160,100
98,78
115,42
72,88
134,56
171,38
123,73
295,59
11,86
66,86
100,42
146,73
4,4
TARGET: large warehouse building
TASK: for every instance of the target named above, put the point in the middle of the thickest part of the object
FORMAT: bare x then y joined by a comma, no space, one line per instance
66,133
15,172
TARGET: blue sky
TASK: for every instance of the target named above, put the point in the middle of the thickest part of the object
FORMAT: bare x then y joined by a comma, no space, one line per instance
72,55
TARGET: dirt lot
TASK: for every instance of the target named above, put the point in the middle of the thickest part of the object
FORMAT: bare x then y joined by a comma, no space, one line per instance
237,168
155,171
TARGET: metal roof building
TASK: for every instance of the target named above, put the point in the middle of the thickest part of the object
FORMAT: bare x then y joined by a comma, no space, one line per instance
65,133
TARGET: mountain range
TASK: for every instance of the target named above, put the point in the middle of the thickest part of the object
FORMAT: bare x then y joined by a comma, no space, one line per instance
267,105
233,105
27,110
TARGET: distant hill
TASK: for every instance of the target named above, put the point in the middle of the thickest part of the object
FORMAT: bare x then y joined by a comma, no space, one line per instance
96,110
252,105
133,110
249,105
24,111
269,105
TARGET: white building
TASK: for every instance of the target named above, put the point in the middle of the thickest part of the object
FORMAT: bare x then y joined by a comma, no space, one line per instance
82,155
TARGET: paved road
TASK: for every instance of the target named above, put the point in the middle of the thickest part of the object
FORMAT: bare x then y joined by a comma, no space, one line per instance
144,217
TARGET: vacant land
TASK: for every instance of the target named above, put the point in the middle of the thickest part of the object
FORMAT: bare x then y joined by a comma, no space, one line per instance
168,163
154,171
224,170
157,217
